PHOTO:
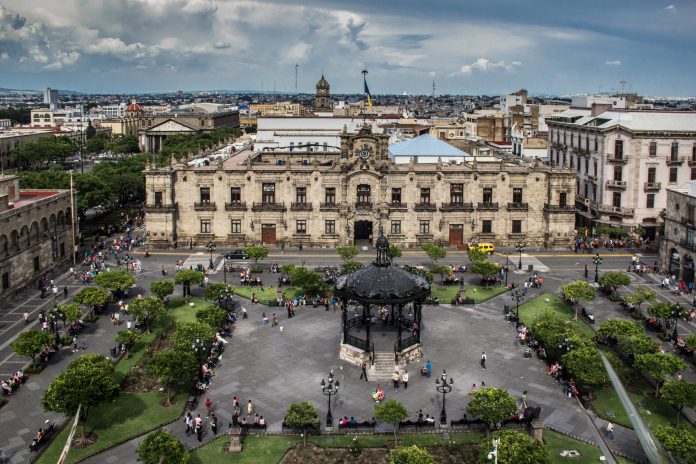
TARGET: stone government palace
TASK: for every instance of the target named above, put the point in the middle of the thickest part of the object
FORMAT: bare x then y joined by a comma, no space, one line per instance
341,197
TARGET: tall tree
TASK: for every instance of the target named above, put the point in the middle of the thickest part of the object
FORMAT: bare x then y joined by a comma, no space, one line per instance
659,366
347,253
640,296
309,281
576,292
392,412
88,381
613,280
31,342
349,266
585,364
485,269
679,394
492,405
185,278
410,455
434,252
187,334
171,366
70,311
147,311
302,415
115,280
161,447
514,448
212,315
92,297
162,288
255,253
442,270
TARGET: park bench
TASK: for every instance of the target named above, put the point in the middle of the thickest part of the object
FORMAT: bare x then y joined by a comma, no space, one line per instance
364,425
409,424
253,427
299,430
465,423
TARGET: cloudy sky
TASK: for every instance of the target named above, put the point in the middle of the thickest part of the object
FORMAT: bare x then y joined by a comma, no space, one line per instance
466,46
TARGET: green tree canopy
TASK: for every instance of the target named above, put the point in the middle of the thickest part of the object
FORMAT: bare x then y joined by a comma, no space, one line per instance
347,253
147,310
212,315
162,288
302,415
188,277
434,251
514,448
187,334
255,253
216,292
43,151
442,270
92,297
31,342
410,455
349,266
633,345
392,412
475,254
309,281
659,366
128,337
88,381
122,143
172,366
70,311
614,329
681,443
485,269
492,405
662,311
577,291
394,252
614,279
679,394
586,366
640,296
115,280
161,447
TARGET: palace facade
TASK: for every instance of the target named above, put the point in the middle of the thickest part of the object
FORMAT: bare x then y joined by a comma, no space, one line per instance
318,198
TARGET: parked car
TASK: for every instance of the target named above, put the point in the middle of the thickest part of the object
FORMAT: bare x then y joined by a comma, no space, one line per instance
236,254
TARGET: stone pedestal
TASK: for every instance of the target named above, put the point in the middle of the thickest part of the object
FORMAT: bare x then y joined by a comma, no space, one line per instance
410,354
537,430
235,440
354,355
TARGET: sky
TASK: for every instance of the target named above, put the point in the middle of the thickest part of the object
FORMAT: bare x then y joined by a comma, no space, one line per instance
465,46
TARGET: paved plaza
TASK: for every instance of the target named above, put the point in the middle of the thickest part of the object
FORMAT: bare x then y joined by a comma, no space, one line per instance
275,368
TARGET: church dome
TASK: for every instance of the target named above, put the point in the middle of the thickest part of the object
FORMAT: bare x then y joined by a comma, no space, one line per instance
134,107
323,83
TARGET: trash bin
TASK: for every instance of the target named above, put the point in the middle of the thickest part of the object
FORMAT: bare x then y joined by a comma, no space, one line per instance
506,309
530,267
113,352
200,268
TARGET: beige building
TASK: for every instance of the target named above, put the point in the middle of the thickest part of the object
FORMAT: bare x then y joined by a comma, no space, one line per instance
678,249
15,138
340,198
152,137
278,109
36,233
625,161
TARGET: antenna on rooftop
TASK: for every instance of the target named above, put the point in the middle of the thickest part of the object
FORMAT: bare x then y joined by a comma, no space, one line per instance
296,66
433,87
623,86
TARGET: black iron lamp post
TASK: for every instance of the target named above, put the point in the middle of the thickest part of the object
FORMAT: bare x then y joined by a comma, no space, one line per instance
520,250
198,347
597,260
228,298
444,386
517,296
211,249
329,389
507,268
224,267
676,314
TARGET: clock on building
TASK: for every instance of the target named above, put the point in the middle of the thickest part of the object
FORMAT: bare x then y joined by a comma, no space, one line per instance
364,153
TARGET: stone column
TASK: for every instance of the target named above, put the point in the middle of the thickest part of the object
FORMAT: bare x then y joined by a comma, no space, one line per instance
537,430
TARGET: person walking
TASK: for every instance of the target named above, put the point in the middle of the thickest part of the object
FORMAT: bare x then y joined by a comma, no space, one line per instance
188,420
523,400
199,431
208,406
363,368
250,408
274,321
404,379
65,292
213,423
483,360
610,430
264,319
396,378
26,318
74,344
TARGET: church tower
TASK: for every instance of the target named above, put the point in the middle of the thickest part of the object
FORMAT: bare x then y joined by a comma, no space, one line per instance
322,100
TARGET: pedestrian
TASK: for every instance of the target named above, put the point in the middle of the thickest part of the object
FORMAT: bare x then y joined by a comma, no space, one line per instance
610,431
199,432
74,344
213,424
274,321
264,319
524,400
363,368
208,406
250,408
65,292
404,379
395,378
483,360
26,318
55,291
188,420
473,388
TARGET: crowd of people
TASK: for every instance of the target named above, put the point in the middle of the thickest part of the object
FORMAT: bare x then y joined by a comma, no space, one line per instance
12,383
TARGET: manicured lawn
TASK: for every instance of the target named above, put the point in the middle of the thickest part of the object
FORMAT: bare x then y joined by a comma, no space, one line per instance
264,295
557,442
549,302
270,449
446,293
130,415
608,406
179,311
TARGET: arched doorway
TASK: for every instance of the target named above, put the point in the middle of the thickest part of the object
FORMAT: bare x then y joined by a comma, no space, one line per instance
363,231
687,274
673,262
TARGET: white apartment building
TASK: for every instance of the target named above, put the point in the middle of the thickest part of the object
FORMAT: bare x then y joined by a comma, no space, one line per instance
112,111
46,117
625,160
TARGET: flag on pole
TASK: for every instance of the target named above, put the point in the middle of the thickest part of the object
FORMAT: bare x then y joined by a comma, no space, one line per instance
367,93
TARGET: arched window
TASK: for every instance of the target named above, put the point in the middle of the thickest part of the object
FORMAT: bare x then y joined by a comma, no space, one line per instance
14,241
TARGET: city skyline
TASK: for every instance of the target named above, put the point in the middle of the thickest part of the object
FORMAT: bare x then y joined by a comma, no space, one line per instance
473,47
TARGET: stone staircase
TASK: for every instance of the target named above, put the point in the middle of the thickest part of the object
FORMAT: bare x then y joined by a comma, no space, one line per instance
383,368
